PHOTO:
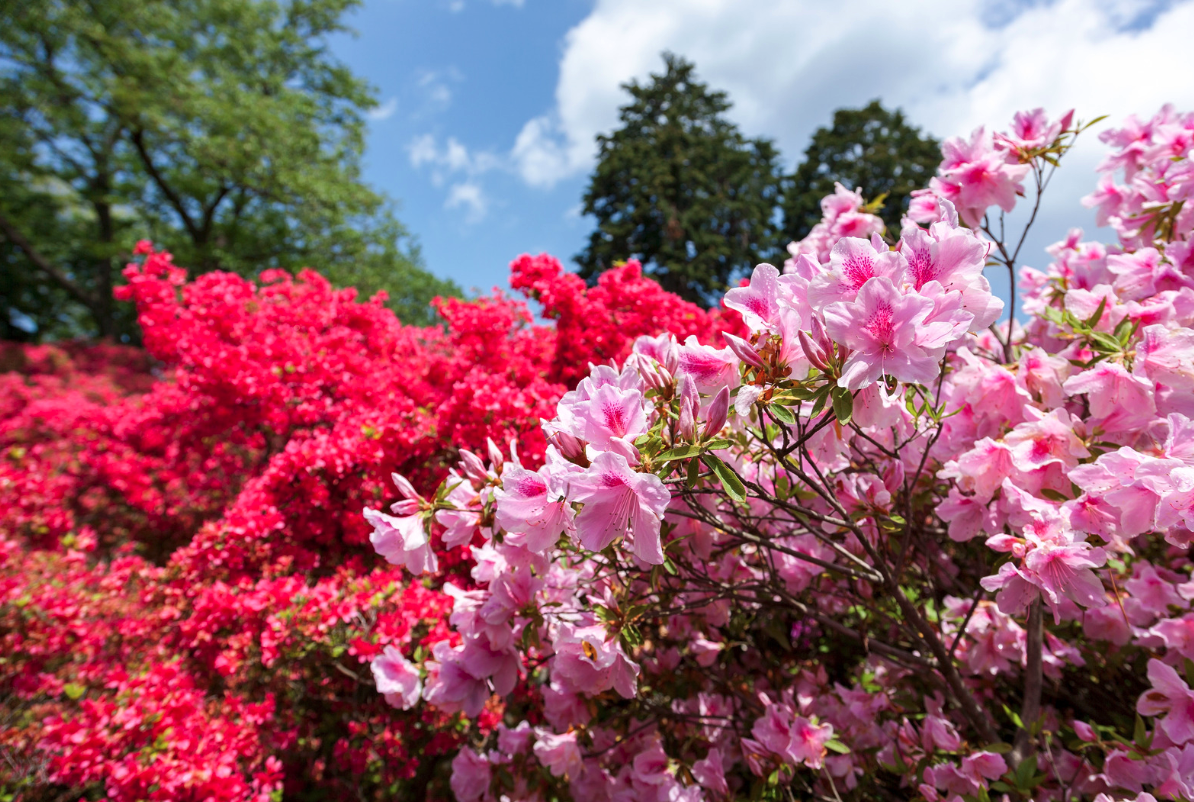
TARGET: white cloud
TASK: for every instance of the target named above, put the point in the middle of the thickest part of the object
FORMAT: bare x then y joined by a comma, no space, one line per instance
951,64
469,195
452,161
384,111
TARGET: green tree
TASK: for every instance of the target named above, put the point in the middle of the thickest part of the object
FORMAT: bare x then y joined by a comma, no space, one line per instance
872,150
221,129
678,187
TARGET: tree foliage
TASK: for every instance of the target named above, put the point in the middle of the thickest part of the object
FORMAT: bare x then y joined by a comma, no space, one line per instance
871,150
223,130
680,188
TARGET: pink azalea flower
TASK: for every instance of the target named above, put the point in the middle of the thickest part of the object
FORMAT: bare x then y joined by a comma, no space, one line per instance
709,772
587,662
402,541
880,326
397,679
450,685
1054,570
1166,356
532,507
1049,439
852,263
650,765
1171,697
470,776
560,754
613,413
1118,400
710,368
808,742
975,176
620,502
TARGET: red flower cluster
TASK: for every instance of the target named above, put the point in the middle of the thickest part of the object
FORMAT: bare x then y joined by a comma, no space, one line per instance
188,600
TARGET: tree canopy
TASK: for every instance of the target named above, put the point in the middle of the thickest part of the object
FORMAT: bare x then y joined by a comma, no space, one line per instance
221,129
678,187
872,150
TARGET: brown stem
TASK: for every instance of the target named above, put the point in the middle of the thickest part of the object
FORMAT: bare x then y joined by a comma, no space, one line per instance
1031,709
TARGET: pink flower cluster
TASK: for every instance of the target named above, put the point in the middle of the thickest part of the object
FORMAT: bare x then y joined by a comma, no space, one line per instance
876,546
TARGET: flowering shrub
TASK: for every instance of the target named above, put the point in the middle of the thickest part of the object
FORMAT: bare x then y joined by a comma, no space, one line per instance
188,605
874,546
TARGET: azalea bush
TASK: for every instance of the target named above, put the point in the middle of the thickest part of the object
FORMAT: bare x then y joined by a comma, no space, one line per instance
876,546
188,599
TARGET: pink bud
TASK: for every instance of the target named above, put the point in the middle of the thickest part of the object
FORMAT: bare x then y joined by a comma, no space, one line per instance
569,446
405,487
821,337
690,402
472,467
814,353
718,410
496,458
1081,728
742,349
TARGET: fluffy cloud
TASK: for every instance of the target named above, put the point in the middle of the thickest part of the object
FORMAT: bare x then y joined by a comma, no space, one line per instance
384,111
951,64
451,161
469,196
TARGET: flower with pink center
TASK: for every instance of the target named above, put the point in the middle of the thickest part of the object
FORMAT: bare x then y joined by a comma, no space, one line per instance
709,368
397,679
1169,696
758,301
808,742
1118,400
852,263
1053,570
1032,130
975,176
620,502
880,327
1107,200
1045,441
613,413
532,506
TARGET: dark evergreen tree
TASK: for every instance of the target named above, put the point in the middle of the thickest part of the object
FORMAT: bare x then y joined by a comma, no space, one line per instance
872,150
678,187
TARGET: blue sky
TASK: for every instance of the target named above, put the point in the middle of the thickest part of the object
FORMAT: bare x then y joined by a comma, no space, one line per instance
489,108
471,73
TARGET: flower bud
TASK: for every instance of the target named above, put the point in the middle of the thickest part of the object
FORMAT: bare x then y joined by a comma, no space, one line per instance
718,410
405,487
821,337
570,447
813,352
742,350
496,458
690,403
472,467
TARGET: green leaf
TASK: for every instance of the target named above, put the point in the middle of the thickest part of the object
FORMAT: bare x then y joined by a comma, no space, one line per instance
782,414
670,566
717,445
999,748
729,480
694,473
837,746
74,691
1094,319
682,452
843,404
